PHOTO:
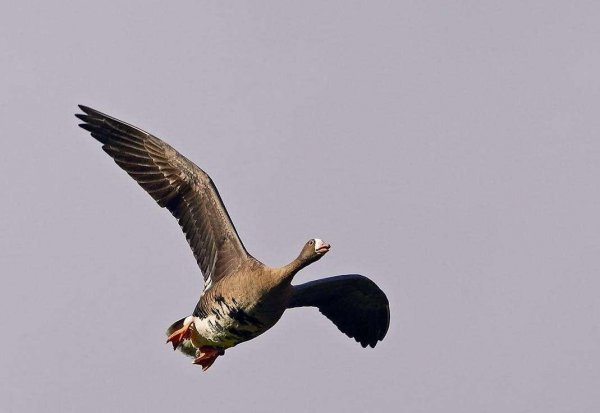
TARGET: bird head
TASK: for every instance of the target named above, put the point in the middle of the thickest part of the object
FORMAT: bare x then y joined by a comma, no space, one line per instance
313,250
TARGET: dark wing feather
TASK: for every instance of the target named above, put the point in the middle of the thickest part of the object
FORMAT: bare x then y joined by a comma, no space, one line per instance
354,303
177,184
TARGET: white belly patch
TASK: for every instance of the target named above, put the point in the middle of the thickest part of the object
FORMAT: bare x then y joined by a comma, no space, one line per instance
225,330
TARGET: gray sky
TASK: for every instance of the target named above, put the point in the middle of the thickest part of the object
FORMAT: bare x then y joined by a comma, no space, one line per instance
448,151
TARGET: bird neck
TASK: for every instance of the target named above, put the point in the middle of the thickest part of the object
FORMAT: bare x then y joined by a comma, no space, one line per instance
288,271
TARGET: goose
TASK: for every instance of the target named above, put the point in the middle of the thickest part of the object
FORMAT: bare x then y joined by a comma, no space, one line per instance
241,297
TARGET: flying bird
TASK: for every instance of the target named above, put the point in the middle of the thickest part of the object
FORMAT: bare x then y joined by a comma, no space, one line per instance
242,297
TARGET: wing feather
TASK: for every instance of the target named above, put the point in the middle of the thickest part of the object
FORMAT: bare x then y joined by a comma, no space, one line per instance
177,184
354,303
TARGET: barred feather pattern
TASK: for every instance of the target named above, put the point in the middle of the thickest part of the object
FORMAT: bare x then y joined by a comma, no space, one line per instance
177,184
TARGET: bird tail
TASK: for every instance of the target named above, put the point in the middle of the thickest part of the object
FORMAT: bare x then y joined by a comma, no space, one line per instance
186,346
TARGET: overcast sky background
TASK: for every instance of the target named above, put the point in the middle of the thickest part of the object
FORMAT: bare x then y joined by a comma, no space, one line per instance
449,151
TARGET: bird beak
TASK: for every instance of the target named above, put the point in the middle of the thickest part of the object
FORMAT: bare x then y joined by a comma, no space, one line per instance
323,249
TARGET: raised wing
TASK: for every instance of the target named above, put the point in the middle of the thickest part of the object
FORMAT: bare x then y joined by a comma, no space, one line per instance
355,304
177,184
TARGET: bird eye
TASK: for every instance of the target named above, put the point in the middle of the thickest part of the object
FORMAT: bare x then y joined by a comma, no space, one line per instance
311,242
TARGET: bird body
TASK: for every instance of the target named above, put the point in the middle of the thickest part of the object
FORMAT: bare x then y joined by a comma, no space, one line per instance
242,297
241,307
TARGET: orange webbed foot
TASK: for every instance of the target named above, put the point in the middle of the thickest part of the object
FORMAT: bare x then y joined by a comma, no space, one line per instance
178,336
206,356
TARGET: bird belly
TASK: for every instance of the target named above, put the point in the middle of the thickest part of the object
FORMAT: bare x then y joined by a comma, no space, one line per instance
226,330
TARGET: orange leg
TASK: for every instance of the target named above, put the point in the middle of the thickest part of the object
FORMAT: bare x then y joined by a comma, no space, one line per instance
177,337
206,356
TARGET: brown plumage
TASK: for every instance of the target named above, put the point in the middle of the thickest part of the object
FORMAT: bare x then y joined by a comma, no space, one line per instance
242,297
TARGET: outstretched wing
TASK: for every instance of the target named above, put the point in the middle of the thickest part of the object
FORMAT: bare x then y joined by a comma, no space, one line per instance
176,184
354,303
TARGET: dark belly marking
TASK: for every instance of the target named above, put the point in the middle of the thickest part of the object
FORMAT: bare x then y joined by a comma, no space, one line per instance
243,317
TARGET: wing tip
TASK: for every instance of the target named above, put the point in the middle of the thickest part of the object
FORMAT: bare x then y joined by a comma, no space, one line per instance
86,109
83,117
88,127
368,342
